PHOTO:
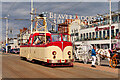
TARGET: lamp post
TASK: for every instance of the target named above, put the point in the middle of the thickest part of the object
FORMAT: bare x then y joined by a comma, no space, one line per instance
6,34
31,16
110,25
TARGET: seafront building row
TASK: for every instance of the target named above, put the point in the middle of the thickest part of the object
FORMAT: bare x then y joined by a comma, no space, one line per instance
97,32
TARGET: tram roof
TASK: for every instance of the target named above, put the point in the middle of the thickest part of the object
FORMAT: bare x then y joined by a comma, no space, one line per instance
40,32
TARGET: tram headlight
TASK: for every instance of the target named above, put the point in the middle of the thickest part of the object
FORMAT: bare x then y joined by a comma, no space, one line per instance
69,52
54,52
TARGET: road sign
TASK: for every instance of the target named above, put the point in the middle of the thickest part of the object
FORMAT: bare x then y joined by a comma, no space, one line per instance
6,44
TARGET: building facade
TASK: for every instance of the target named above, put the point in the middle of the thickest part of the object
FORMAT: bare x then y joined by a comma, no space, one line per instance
97,32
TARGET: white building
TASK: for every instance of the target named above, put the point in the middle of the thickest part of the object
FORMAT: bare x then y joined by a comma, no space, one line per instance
96,33
13,43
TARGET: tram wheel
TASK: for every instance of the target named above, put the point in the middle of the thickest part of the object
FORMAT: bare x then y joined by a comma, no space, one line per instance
113,62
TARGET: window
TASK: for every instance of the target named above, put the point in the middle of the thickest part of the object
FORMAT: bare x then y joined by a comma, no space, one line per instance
30,40
76,34
56,38
100,34
117,31
103,34
87,35
112,33
81,36
39,40
96,34
93,34
108,33
84,35
66,37
90,35
72,31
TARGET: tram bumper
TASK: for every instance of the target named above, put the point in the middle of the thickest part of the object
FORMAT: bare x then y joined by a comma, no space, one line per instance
60,61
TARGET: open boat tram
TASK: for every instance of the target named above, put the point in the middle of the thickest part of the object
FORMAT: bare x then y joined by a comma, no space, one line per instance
50,48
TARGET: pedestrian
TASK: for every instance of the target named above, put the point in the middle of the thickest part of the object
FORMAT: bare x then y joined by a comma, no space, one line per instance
93,56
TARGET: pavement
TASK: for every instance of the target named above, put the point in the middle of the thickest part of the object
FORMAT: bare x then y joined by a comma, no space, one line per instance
13,67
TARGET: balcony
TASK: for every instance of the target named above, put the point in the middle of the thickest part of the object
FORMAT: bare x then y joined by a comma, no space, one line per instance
98,24
90,39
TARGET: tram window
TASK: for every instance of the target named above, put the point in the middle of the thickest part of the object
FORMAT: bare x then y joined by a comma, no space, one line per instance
65,37
56,38
30,40
48,39
38,40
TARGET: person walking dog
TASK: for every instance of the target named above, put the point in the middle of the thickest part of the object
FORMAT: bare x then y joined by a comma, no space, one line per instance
93,56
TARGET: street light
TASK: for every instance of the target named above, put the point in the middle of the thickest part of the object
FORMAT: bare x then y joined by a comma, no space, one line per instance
32,15
6,33
110,24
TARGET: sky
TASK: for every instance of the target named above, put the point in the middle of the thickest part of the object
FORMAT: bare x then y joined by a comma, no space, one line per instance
21,10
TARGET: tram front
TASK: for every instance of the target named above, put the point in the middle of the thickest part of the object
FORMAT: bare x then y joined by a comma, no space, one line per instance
61,49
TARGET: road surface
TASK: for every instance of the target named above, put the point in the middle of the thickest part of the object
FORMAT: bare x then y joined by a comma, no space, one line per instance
13,67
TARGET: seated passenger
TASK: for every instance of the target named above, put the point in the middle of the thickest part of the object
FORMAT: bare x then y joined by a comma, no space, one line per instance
38,42
43,42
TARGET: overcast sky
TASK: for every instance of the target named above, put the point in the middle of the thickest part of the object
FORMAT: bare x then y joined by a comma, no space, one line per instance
21,10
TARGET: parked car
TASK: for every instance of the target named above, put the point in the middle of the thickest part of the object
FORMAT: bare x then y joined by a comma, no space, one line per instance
3,50
15,51
10,51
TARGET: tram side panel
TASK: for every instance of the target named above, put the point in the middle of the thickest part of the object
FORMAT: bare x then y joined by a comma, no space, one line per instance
25,52
46,53
41,53
38,53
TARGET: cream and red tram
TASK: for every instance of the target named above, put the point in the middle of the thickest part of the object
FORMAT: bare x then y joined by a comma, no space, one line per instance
56,52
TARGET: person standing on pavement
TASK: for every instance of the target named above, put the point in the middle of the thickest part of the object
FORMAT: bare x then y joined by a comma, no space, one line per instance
93,56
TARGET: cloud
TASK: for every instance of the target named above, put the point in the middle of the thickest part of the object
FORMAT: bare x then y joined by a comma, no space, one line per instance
21,10
59,0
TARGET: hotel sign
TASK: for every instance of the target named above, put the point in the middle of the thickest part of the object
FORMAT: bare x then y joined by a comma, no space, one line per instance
60,18
105,28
